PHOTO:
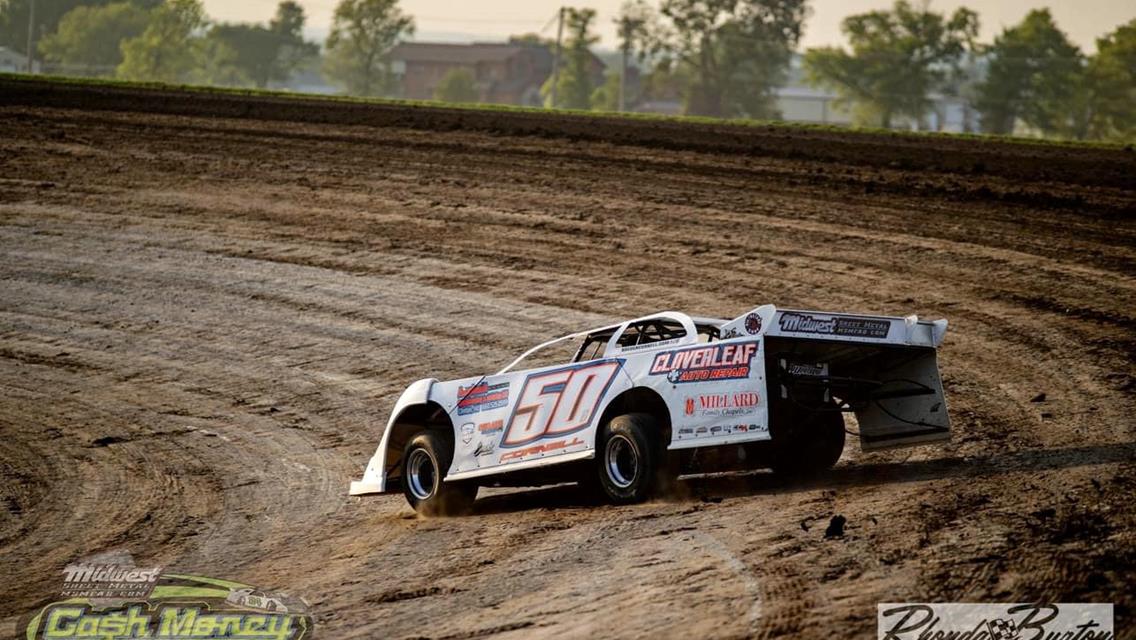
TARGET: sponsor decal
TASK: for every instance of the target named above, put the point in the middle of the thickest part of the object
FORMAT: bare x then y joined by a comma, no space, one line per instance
484,448
113,581
706,363
559,402
837,326
722,405
972,621
819,370
721,430
482,397
107,597
753,324
548,447
649,345
467,431
493,426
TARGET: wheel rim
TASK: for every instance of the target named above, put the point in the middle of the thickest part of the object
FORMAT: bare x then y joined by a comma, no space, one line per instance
622,461
422,476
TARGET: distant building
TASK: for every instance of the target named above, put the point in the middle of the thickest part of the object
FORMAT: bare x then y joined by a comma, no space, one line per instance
798,101
504,73
13,62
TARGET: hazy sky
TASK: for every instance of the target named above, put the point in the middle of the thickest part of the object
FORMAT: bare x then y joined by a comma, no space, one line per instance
1083,20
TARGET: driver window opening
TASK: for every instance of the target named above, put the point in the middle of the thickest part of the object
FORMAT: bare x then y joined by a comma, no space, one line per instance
594,346
708,333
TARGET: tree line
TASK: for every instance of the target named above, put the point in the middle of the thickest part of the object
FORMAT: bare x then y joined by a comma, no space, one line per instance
718,58
727,58
169,41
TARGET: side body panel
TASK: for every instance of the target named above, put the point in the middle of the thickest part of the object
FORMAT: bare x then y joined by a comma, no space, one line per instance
528,418
715,392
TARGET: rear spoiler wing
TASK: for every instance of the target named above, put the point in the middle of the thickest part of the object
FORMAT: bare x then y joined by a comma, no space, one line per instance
883,369
840,327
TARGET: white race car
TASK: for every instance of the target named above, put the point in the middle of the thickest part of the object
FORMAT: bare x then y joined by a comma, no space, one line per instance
256,599
650,398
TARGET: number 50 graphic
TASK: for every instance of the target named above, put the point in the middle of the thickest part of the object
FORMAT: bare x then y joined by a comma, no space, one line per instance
559,402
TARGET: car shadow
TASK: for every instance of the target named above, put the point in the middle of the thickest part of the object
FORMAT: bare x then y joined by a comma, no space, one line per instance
715,487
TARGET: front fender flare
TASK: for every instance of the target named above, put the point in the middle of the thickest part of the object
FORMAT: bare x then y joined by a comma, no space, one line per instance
375,477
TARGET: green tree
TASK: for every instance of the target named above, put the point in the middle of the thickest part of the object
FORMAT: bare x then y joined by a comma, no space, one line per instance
730,54
216,62
1112,76
294,52
362,34
898,58
574,87
633,25
271,53
14,16
88,40
1034,75
457,86
606,96
251,48
170,48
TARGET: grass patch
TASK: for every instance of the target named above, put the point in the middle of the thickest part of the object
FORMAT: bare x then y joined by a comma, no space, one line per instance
605,117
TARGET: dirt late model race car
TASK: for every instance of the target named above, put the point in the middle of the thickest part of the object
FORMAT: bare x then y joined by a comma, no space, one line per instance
651,398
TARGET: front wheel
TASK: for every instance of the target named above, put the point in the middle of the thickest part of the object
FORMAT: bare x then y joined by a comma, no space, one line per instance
627,458
424,463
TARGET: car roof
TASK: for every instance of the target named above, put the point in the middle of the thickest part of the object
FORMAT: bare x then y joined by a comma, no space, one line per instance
677,315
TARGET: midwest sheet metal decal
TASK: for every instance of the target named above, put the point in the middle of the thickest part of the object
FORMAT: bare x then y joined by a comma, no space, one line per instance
851,327
482,397
706,363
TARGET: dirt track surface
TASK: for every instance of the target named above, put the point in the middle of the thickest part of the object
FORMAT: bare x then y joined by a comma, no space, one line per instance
204,321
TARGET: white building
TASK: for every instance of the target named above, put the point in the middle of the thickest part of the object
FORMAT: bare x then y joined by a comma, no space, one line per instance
13,62
800,102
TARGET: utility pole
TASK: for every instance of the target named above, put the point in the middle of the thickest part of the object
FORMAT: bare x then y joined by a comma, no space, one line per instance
31,37
630,27
623,82
556,57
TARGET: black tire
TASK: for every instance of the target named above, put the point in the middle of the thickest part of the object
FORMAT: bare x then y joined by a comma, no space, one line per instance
425,460
806,443
628,455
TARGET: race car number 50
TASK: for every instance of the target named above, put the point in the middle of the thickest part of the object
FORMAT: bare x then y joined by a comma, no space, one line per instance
558,402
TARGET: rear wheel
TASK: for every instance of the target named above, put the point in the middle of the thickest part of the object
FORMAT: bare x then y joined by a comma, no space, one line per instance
628,457
806,443
424,463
